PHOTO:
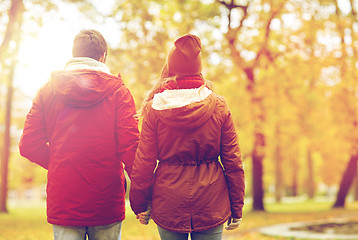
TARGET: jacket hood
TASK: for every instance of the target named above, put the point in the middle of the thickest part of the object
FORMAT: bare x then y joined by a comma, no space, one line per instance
83,87
184,108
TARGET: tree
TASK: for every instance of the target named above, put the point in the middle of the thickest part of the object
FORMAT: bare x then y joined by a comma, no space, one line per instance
249,67
8,50
349,97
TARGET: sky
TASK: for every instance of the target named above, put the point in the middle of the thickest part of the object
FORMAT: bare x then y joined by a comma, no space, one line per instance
48,48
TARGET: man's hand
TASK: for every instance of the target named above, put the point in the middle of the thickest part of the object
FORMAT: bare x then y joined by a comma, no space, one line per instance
144,217
233,223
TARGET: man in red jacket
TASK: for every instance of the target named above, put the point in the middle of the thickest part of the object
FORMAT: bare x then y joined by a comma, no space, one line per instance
82,128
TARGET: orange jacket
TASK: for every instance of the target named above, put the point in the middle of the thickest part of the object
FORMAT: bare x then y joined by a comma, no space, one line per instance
81,128
189,189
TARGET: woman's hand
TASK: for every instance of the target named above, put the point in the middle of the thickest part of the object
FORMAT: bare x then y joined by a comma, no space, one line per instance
144,217
233,223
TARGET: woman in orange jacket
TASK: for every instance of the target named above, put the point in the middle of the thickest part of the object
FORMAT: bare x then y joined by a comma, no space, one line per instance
187,174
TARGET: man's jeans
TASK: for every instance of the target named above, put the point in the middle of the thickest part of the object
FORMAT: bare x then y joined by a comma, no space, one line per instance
211,234
106,232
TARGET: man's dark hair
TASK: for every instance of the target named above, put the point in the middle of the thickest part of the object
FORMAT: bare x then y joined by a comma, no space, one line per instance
89,43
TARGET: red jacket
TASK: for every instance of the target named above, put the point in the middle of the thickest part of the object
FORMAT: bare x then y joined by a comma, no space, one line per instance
82,128
189,189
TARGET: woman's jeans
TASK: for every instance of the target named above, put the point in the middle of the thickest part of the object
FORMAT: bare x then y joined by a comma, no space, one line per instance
106,232
211,234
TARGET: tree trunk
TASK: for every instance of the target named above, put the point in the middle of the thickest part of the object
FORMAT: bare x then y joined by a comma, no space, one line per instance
310,178
258,153
278,167
257,174
7,143
294,188
356,189
346,182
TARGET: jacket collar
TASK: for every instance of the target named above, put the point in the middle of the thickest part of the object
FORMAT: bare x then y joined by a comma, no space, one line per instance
177,98
78,63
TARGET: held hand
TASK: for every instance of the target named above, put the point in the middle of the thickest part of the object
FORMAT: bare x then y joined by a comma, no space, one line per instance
144,217
233,223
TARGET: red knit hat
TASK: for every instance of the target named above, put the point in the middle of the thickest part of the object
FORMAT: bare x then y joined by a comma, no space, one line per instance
184,58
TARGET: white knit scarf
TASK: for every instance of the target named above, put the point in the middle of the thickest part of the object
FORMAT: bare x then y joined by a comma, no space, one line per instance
179,97
86,63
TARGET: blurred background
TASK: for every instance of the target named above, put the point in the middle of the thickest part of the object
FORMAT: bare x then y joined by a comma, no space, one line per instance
287,68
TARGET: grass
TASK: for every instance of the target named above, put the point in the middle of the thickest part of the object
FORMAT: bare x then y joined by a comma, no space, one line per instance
27,221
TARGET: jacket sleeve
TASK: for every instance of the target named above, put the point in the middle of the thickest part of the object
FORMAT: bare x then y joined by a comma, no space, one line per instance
34,142
231,159
127,133
144,165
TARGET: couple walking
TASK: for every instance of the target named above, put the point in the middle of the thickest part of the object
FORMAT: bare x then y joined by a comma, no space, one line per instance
185,168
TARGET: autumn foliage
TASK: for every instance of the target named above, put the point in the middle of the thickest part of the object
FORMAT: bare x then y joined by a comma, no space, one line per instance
288,70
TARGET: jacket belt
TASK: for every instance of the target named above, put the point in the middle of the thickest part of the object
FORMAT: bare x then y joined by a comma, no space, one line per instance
185,162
